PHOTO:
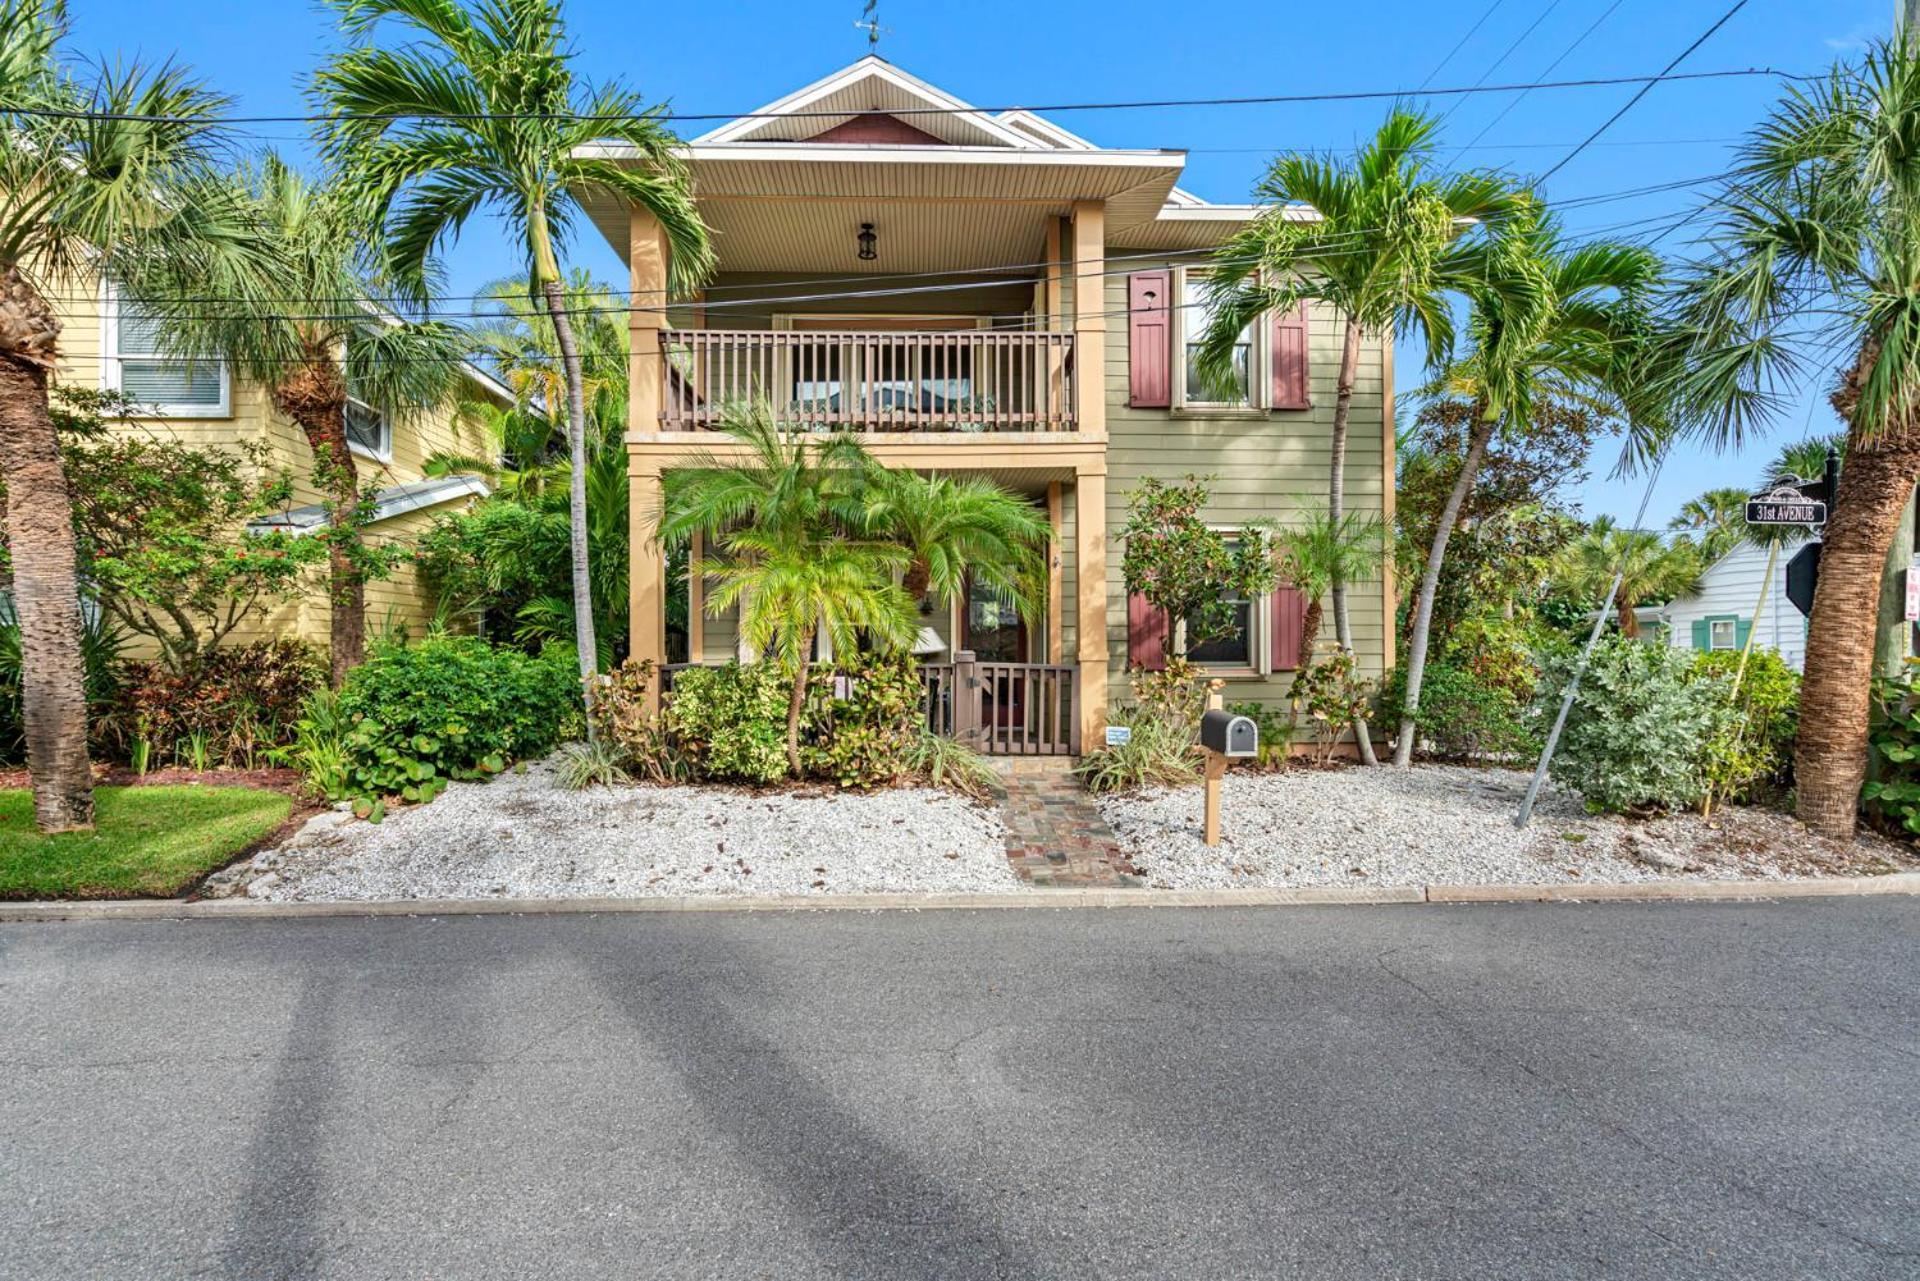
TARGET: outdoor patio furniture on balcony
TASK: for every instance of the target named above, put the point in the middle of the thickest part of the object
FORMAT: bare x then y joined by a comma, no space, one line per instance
969,380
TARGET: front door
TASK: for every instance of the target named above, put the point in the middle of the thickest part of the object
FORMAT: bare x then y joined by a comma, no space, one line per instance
990,626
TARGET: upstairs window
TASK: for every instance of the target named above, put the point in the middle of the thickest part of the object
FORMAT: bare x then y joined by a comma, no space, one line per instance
161,385
369,432
1195,317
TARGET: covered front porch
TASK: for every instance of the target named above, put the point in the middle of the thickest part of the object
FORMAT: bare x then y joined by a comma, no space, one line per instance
1003,684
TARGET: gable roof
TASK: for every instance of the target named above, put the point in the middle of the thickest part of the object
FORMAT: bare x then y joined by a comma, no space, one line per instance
870,85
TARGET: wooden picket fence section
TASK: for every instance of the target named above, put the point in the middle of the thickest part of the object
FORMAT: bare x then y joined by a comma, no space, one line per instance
1001,709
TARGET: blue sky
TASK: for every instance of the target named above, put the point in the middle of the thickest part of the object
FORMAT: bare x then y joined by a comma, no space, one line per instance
734,56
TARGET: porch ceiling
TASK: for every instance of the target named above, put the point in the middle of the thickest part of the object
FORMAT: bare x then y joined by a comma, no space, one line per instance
797,207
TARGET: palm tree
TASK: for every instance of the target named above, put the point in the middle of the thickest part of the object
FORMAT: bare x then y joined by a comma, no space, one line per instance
1319,552
285,322
1384,250
519,460
114,176
1815,251
482,110
785,524
956,527
1550,322
1650,568
1718,519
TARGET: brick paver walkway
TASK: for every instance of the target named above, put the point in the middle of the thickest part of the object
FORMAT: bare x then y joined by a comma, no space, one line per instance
1055,835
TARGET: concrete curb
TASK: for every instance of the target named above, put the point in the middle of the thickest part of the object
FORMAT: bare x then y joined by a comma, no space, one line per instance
1644,891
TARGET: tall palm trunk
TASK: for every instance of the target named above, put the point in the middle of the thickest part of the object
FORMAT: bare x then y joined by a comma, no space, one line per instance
1430,584
585,643
46,585
1830,759
316,399
1336,506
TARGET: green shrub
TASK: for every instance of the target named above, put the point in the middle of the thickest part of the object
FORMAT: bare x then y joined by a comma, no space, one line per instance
630,728
1332,696
100,646
950,763
1640,736
731,722
1753,753
226,706
860,720
452,707
1893,793
579,766
1463,715
1158,753
319,747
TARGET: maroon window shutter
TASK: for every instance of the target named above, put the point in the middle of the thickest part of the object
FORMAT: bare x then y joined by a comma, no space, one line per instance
1146,634
1289,618
1290,387
1149,340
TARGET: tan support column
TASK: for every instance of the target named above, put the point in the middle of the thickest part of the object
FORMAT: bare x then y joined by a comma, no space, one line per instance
1056,322
1055,555
646,318
1090,569
696,601
1089,318
647,573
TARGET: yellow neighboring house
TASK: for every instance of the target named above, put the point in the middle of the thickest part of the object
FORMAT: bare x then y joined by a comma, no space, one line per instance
202,405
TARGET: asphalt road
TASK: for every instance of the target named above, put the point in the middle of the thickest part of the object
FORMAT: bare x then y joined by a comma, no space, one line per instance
1494,1092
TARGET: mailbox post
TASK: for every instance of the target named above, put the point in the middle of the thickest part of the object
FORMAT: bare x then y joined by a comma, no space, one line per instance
1223,737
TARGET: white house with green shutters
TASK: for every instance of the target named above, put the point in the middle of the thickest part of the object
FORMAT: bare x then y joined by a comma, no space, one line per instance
1721,613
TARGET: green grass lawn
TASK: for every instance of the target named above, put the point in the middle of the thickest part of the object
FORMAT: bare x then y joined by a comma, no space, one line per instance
147,841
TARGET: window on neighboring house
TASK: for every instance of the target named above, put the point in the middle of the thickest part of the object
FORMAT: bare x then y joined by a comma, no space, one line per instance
162,385
1723,633
369,431
1194,317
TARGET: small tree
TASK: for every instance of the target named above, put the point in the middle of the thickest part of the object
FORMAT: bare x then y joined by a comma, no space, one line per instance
1187,569
161,532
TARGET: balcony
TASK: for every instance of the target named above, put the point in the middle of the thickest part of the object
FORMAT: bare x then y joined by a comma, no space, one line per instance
964,380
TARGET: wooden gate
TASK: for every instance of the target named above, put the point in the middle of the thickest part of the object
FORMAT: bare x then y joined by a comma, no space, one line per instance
1005,709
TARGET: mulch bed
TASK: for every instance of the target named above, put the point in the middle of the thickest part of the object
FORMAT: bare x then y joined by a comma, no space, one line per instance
286,781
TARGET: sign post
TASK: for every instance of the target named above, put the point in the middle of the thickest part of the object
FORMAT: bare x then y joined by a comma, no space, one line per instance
1216,769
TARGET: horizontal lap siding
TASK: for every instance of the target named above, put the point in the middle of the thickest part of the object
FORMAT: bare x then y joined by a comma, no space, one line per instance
1269,466
402,599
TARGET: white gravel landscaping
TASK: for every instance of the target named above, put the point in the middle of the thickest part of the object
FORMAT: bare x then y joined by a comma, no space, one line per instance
521,836
1452,825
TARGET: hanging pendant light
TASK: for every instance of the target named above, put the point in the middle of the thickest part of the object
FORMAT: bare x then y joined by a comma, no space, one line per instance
867,242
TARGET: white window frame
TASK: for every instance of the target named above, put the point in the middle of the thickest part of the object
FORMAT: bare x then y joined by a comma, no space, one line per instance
110,368
384,454
1733,634
1259,379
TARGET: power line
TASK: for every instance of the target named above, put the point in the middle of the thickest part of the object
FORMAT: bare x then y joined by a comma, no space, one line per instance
1518,40
1564,55
1462,42
945,276
1360,95
1645,89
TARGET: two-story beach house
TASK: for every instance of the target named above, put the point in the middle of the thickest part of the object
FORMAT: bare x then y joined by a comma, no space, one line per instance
986,292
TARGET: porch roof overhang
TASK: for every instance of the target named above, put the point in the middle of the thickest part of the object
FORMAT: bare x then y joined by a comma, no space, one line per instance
796,207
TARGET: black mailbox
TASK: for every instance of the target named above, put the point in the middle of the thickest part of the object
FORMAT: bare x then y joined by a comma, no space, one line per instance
1229,735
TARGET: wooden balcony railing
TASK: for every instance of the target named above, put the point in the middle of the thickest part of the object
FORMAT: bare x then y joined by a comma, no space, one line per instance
969,380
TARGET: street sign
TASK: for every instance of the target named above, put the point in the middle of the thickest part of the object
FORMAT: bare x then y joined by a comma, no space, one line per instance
1785,505
1802,572
1119,735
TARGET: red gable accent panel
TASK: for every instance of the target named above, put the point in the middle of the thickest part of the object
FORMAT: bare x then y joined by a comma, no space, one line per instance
881,129
1289,621
1149,340
1146,634
1291,390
